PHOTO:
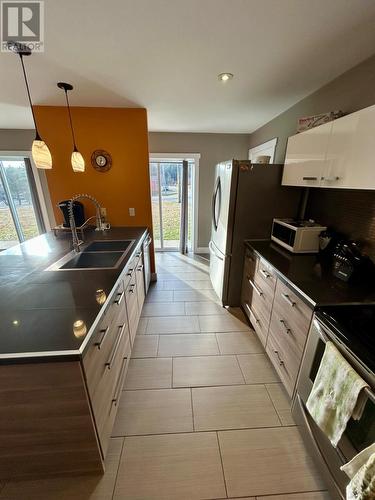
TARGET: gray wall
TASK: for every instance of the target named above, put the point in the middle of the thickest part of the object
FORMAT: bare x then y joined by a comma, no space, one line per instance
213,149
350,92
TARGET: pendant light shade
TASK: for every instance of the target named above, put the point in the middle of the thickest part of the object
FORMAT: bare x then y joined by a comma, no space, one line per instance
39,150
77,161
41,154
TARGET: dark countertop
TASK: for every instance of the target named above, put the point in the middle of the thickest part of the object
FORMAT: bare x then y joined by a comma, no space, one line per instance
311,277
38,308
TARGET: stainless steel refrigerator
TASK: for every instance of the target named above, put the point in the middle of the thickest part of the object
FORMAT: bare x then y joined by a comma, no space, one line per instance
246,197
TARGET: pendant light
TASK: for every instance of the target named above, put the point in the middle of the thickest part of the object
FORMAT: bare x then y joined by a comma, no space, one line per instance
39,150
77,161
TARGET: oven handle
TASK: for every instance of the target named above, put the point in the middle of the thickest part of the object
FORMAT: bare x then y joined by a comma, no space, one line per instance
314,442
369,394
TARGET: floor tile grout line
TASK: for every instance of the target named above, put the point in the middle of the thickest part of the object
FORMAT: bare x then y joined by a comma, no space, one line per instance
273,404
196,431
157,348
222,464
218,345
118,468
198,386
192,407
242,373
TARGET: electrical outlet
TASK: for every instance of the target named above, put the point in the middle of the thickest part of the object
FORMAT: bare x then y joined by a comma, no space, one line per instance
132,212
103,212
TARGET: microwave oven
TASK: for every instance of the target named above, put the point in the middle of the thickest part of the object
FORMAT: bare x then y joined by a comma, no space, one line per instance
298,236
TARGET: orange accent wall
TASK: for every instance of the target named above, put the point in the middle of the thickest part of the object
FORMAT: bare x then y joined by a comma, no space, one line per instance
120,131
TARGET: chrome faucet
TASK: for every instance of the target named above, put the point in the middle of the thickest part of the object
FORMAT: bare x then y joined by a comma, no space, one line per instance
98,216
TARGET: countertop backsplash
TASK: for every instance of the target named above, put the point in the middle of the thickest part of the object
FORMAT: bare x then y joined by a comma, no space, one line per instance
351,212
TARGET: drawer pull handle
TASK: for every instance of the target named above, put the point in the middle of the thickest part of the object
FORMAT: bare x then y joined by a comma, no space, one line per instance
103,333
130,271
140,268
287,329
118,388
265,273
307,178
112,356
131,288
256,289
281,362
286,297
138,254
120,296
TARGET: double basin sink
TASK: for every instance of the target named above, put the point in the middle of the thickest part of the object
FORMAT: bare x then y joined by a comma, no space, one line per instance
100,254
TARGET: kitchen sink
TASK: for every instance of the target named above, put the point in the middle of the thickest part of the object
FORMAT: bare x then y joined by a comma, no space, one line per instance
109,246
93,260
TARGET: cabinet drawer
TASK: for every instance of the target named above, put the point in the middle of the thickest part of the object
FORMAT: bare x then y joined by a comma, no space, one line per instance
131,268
260,325
281,363
102,341
286,327
115,394
250,263
261,302
266,277
104,390
293,310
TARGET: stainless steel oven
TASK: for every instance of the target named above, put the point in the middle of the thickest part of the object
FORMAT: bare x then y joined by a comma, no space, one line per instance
339,326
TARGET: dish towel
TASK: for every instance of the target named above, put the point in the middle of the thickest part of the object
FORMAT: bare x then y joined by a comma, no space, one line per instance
361,471
334,398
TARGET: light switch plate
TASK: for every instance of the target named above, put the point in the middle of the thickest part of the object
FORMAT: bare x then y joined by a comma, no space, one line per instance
132,212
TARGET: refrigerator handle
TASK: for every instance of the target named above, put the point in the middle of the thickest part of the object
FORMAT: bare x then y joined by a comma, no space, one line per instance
217,192
212,248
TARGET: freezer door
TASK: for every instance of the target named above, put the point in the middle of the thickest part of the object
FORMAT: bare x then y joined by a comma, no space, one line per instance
218,271
221,204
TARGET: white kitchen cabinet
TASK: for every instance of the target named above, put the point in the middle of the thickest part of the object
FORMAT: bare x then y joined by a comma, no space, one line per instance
350,153
305,159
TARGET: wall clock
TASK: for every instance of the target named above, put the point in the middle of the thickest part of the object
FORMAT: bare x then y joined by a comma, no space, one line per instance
101,160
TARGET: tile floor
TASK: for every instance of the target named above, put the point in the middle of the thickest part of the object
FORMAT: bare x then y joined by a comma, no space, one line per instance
202,414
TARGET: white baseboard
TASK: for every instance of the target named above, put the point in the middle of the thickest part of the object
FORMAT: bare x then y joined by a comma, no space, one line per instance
202,250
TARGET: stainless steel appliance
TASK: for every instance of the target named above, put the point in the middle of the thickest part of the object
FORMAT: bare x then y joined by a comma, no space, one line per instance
352,329
146,262
245,200
298,236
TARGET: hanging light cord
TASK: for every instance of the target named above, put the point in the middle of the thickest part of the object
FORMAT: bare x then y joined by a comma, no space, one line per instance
28,94
70,119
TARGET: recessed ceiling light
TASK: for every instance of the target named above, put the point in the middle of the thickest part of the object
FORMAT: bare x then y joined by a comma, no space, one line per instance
224,77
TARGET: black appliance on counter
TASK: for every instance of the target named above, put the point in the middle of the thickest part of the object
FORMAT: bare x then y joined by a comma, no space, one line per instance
78,212
352,329
349,264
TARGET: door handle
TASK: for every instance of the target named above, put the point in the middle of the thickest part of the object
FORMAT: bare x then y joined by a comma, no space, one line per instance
103,332
307,178
112,356
287,329
265,273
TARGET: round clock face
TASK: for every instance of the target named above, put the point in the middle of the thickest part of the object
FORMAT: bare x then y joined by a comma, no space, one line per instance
101,160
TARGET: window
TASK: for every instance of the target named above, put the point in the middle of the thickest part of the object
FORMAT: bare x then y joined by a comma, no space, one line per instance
20,211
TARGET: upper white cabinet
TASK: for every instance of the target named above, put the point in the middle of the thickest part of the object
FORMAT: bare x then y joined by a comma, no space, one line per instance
339,154
350,154
305,159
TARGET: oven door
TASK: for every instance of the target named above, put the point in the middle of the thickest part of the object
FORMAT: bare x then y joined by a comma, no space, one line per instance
358,435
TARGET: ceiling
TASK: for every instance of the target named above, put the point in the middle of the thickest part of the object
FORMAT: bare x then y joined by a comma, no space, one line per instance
165,55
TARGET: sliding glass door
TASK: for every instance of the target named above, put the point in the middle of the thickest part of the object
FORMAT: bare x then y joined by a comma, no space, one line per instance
168,211
20,216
